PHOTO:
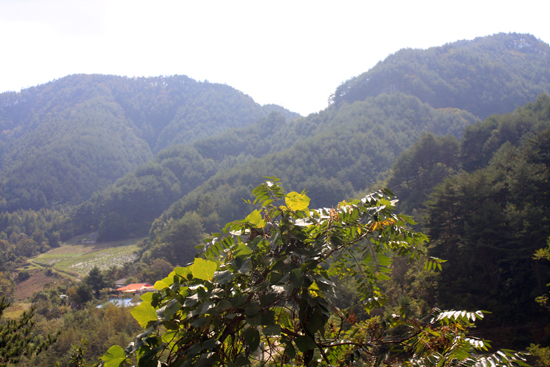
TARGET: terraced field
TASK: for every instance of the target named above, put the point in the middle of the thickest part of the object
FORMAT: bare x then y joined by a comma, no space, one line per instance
77,259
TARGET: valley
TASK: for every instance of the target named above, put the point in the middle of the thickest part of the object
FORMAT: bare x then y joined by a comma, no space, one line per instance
106,178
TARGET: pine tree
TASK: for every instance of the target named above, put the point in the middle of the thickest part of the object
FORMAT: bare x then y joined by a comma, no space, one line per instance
16,339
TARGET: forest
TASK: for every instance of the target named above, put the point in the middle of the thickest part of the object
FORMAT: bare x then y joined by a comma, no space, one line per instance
422,188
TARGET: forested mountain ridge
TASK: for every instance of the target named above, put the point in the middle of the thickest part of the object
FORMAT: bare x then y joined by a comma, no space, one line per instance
487,75
484,200
330,154
362,138
63,140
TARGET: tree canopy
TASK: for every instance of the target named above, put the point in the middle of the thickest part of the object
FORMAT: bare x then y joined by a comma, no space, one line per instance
263,292
62,141
484,203
16,339
487,75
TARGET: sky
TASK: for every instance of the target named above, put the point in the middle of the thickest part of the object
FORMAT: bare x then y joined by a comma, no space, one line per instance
291,53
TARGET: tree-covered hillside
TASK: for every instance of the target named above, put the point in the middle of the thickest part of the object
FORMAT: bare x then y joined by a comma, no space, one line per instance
487,75
344,153
485,203
64,140
332,154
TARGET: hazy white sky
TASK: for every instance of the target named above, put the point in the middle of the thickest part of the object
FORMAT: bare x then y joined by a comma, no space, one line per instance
292,53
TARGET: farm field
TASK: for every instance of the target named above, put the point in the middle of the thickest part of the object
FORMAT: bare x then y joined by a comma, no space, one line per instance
77,259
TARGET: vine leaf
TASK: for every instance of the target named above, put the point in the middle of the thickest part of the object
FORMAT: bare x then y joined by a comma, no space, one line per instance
255,218
296,201
114,357
144,313
203,269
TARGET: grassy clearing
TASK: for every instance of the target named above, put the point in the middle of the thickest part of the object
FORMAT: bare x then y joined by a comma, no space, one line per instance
78,259
15,310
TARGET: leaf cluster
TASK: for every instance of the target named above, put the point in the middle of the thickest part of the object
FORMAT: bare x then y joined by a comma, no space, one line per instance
262,291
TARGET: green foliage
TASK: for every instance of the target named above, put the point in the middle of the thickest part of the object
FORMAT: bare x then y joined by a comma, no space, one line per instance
175,241
87,331
16,339
64,140
489,218
263,291
77,356
541,354
420,168
343,151
95,280
6,285
23,275
26,233
484,76
81,293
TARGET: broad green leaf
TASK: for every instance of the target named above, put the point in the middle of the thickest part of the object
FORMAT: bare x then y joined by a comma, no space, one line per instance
255,218
238,300
252,338
199,322
114,357
272,330
203,269
305,343
296,278
223,277
166,282
255,320
183,272
268,318
317,322
284,318
210,344
267,299
244,266
170,309
144,313
252,308
169,336
289,351
242,361
296,201
147,297
242,251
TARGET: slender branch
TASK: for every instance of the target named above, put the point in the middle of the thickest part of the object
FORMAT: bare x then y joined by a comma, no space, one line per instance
323,353
329,345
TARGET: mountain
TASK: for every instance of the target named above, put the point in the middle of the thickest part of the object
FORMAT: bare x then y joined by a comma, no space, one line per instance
176,160
63,140
332,154
487,75
335,153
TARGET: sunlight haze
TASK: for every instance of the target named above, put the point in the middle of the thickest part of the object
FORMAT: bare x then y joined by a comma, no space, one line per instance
289,53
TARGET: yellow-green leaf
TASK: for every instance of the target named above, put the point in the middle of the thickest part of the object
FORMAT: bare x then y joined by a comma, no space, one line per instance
144,313
147,297
296,201
242,250
114,357
169,336
256,219
203,269
183,272
164,283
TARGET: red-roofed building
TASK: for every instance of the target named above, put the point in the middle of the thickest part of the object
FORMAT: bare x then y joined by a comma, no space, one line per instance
137,288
